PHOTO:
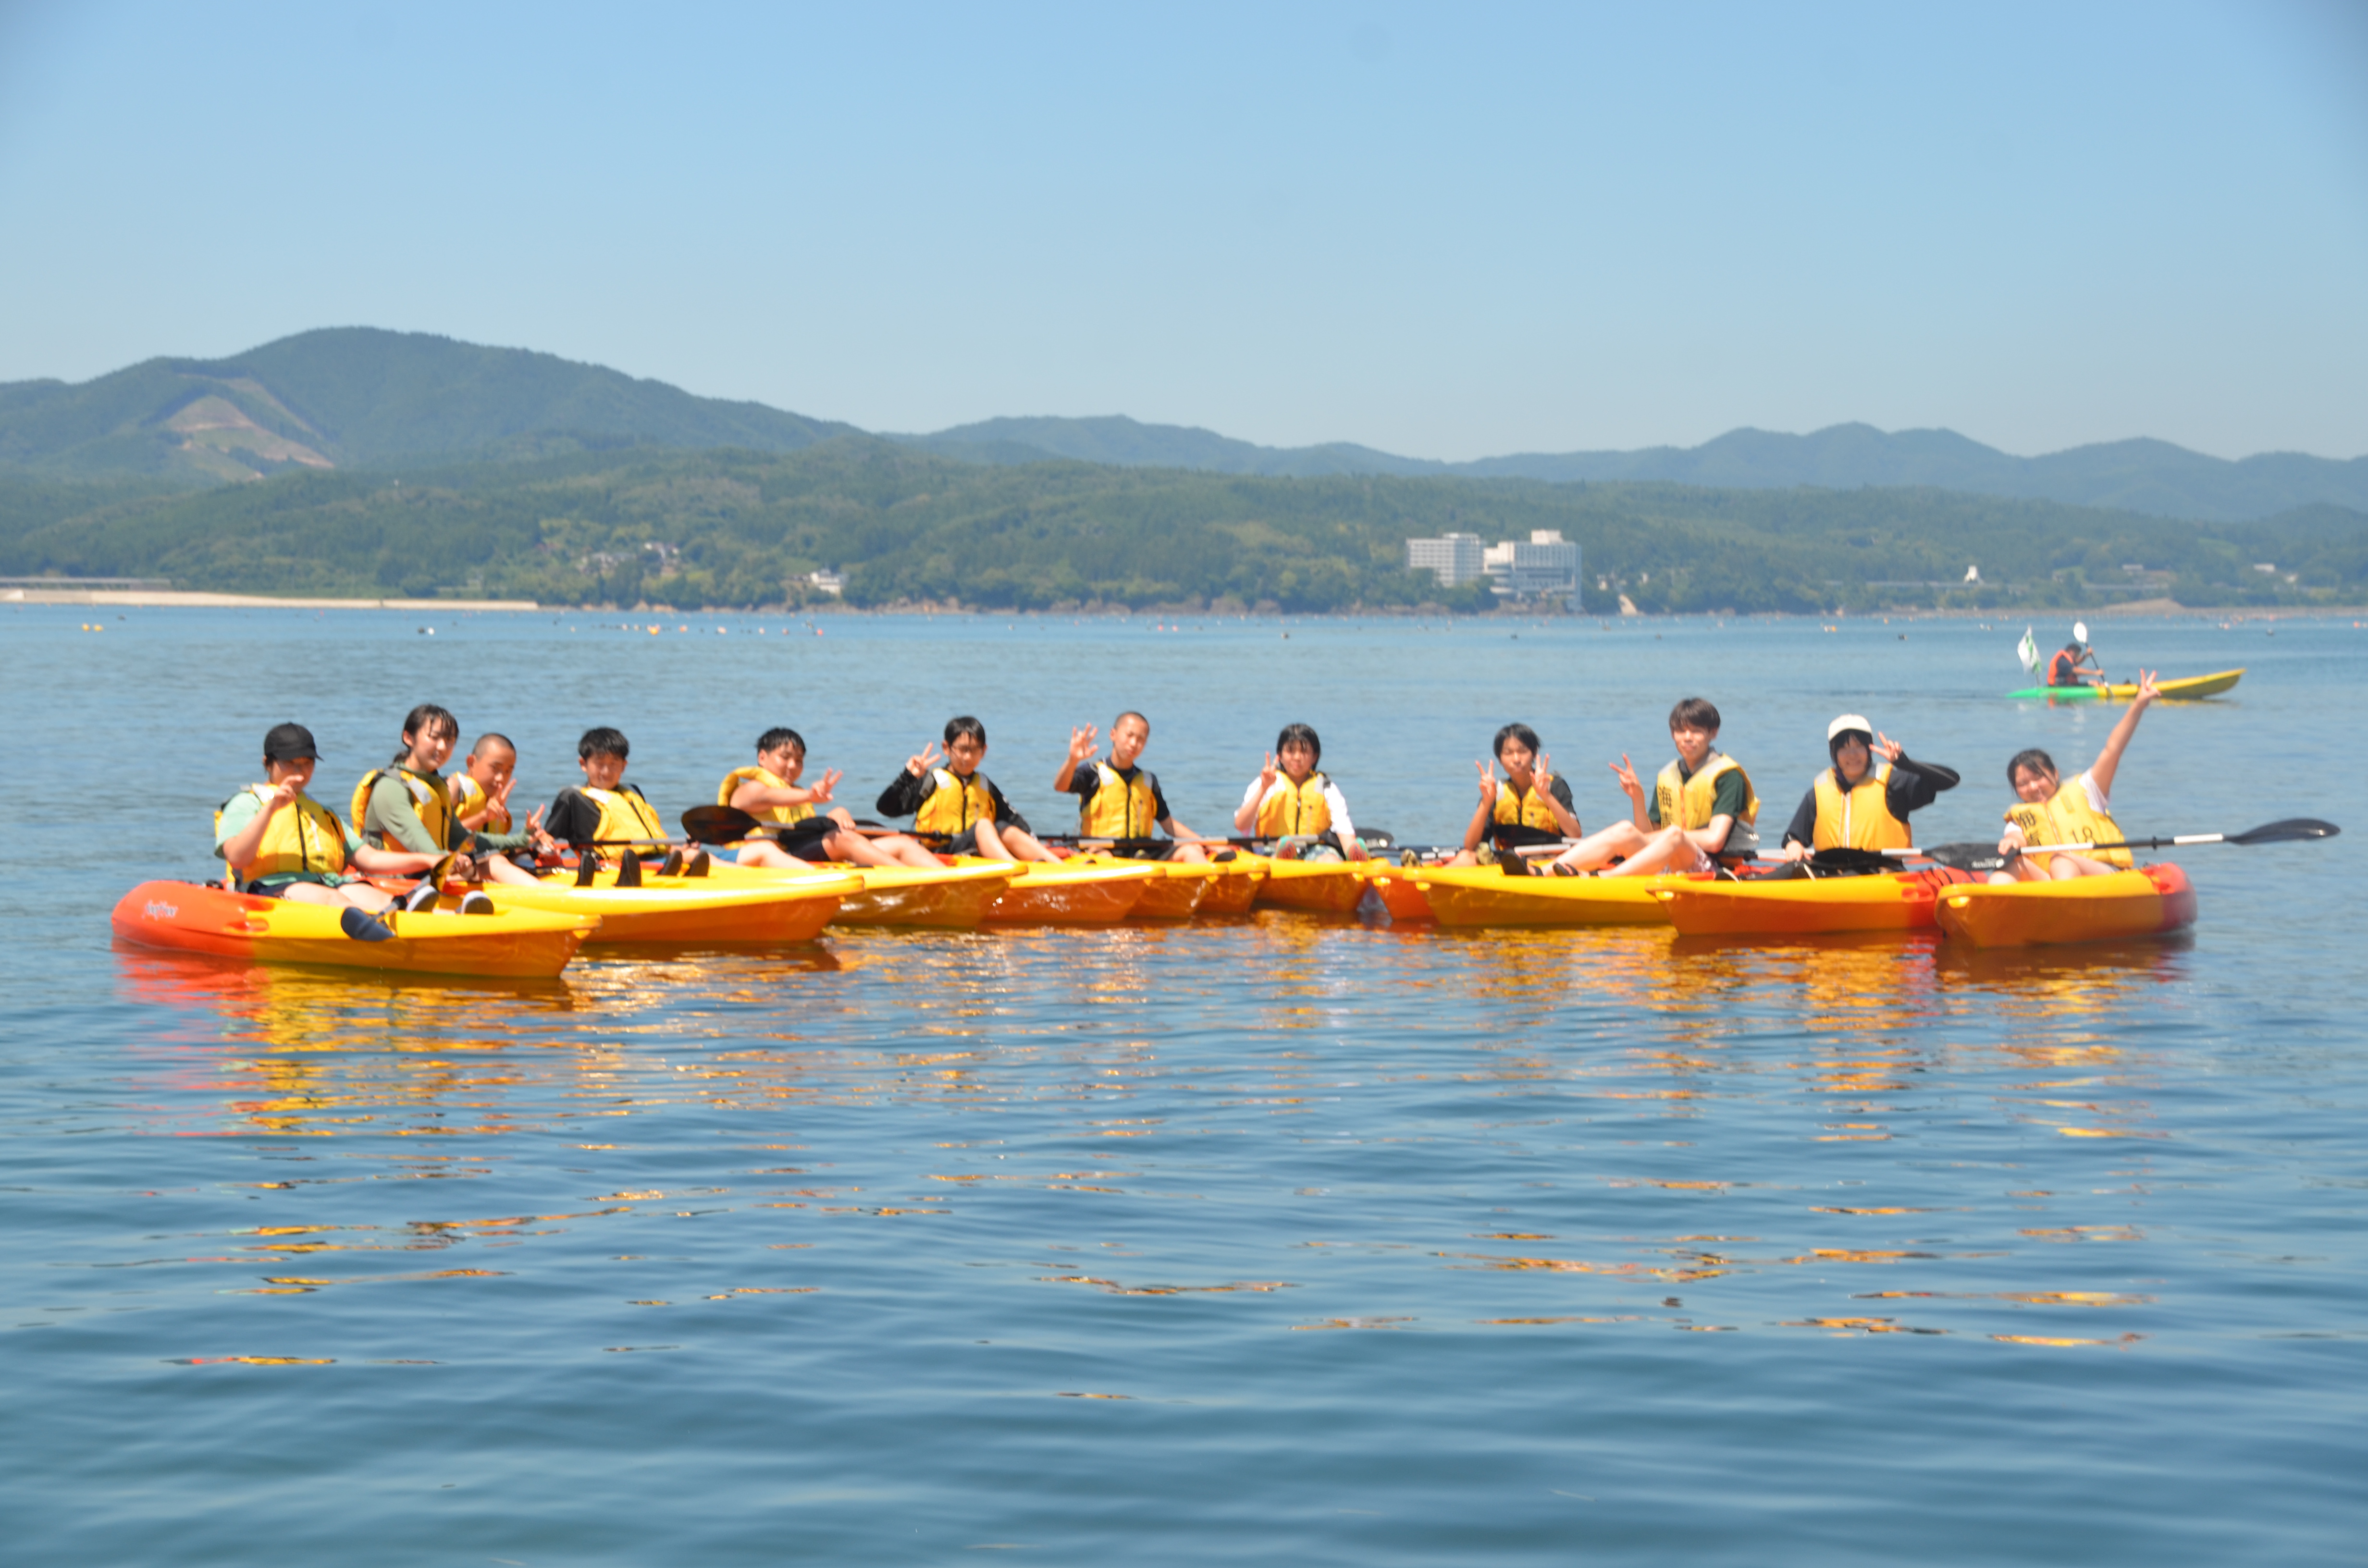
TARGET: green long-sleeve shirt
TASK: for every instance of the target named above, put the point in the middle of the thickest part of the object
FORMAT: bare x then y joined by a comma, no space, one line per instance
391,822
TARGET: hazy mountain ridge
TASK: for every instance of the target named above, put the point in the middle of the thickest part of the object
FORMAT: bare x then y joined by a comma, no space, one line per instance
344,396
2141,475
363,397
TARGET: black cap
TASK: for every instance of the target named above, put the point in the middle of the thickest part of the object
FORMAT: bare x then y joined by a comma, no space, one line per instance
288,743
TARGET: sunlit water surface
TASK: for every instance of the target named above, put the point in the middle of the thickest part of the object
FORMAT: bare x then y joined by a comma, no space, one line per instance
1272,1241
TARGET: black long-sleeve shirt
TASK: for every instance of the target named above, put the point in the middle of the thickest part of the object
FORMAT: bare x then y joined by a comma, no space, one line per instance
1912,786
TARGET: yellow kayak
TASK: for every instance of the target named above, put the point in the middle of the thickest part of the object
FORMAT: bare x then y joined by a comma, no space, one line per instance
1060,892
2178,690
1174,891
1485,895
711,908
943,897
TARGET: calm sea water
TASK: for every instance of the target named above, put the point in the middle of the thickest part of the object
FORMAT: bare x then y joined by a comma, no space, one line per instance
1277,1241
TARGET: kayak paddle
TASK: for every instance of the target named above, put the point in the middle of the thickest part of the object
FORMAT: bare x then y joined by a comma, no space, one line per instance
1985,857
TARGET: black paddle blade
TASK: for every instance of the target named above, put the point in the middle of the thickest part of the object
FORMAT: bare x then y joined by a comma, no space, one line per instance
2292,829
718,824
1851,862
587,866
362,925
629,871
1974,857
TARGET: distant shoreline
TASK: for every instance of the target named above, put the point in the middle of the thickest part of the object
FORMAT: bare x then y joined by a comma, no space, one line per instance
136,598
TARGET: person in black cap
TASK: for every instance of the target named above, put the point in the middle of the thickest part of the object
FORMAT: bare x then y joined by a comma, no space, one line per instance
281,843
1860,803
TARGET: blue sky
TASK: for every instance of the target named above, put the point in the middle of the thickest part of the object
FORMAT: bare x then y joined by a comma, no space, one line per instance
1447,232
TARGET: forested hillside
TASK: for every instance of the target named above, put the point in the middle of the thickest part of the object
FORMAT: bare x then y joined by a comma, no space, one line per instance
740,527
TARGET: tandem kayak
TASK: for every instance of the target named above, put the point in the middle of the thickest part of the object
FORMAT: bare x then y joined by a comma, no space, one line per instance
2190,686
1901,901
197,917
1485,895
2150,901
700,910
1059,892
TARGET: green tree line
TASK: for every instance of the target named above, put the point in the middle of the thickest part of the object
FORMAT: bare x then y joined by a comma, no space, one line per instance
733,527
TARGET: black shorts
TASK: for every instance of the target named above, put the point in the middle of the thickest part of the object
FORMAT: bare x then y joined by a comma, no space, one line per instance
1516,836
806,839
966,841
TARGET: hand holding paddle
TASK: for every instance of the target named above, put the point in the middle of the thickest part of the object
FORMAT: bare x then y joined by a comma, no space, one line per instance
1988,857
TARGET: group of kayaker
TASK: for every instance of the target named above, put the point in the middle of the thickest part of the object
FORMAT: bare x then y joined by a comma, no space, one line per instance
1700,814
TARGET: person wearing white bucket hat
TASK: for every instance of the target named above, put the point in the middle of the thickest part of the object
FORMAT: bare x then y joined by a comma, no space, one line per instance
1860,803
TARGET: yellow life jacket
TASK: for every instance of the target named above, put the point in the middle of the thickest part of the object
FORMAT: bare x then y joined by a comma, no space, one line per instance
1118,807
1295,810
1690,803
624,814
2070,819
770,780
955,804
468,795
1857,818
1532,809
305,837
428,798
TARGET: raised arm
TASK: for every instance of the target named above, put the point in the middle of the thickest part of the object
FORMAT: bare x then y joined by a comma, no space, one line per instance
1245,814
1083,743
1486,811
2109,761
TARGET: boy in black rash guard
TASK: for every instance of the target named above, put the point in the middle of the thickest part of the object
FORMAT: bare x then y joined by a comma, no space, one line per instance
1859,803
958,803
615,817
1117,800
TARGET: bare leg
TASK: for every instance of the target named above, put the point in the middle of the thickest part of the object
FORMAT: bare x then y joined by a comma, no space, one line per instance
1189,855
857,850
2064,868
1603,845
360,895
502,869
772,856
1667,850
1009,844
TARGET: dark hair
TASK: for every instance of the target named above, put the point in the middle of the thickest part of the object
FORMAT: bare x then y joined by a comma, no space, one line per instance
1695,713
430,719
2033,758
290,742
602,741
780,735
1302,734
957,728
1130,713
493,736
1521,733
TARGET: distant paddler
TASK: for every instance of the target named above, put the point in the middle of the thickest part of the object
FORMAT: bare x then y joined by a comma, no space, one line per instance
2077,812
1530,805
1120,799
1290,800
771,790
950,799
2064,668
1860,803
1702,808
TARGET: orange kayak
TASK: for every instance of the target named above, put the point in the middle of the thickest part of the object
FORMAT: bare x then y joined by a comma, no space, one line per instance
1902,900
1485,895
2148,901
1318,887
1403,889
1054,892
195,917
1235,888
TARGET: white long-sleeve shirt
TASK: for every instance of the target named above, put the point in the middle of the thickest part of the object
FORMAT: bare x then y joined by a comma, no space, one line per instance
1255,798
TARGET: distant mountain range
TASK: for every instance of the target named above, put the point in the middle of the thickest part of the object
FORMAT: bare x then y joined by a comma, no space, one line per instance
360,397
